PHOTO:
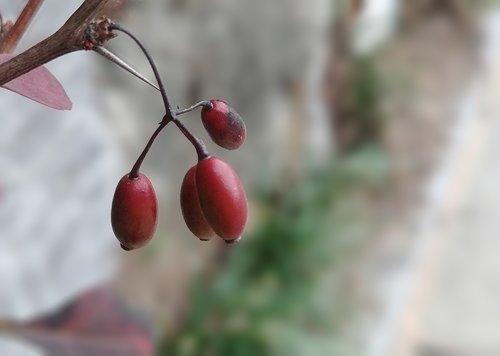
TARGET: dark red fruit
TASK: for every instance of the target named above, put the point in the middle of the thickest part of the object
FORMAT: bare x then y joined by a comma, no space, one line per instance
222,198
224,125
134,211
191,209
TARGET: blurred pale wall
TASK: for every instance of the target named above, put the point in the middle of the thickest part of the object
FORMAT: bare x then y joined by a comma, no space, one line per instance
60,172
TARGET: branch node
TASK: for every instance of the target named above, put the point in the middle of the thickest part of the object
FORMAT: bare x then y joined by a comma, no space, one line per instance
97,33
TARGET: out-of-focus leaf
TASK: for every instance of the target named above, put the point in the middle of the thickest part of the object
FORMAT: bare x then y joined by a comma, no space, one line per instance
38,85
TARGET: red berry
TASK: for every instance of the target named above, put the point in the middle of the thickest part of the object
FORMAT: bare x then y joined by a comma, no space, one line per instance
224,125
134,211
222,198
191,209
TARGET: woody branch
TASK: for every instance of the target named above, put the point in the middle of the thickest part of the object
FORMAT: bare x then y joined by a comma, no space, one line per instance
81,31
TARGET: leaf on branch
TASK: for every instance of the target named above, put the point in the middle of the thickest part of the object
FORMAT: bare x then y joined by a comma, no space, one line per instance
38,85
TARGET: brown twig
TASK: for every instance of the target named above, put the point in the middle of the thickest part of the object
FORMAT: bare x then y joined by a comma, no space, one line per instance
74,35
13,36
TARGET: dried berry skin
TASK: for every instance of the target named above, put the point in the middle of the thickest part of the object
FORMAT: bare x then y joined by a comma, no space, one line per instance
134,211
224,125
191,209
222,198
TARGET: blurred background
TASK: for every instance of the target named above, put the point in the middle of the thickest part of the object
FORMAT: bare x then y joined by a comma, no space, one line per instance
370,166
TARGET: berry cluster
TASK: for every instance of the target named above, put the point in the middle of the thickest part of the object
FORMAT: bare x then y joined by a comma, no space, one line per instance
212,199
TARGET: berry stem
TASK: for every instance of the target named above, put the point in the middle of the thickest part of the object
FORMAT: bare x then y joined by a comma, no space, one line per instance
204,103
134,172
199,146
170,114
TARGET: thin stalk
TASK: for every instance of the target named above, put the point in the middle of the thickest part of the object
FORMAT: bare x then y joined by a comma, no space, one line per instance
170,113
204,103
106,53
134,172
199,146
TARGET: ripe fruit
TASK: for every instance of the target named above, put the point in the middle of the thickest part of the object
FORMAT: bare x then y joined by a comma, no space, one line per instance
222,198
134,211
191,209
224,125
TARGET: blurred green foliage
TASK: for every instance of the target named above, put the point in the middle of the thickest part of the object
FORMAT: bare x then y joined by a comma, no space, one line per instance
275,292
366,88
357,114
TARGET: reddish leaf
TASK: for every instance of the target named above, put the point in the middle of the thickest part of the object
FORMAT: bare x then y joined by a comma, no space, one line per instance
38,85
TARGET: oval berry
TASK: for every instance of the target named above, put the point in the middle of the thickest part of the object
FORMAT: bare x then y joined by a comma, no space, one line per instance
134,211
224,125
222,198
191,209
